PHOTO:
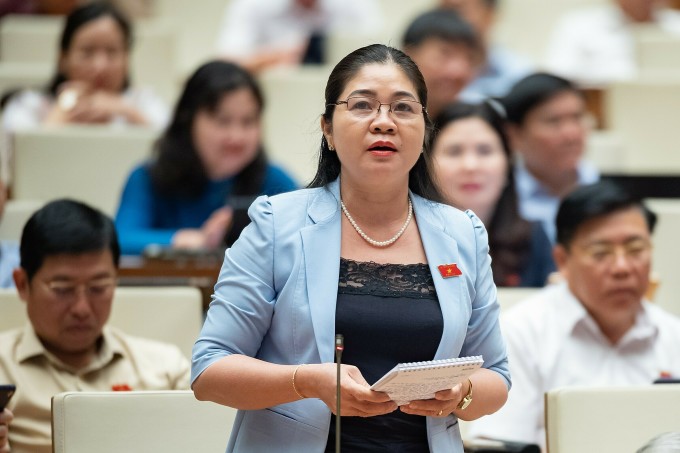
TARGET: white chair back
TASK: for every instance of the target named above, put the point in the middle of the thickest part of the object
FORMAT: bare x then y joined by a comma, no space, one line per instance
610,419
657,52
172,421
87,163
295,102
170,314
14,217
665,253
642,114
509,297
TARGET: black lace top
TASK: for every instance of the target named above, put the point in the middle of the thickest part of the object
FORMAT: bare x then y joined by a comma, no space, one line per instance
388,313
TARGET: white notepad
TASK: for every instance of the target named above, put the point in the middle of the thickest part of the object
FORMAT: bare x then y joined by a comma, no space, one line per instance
421,380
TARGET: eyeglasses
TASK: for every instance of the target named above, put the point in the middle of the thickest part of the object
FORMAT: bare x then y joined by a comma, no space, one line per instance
632,251
366,107
93,290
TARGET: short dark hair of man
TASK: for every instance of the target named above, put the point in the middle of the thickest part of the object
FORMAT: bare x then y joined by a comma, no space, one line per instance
532,91
441,24
592,201
66,227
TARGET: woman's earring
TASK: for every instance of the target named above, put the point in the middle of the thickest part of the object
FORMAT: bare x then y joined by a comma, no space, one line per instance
330,147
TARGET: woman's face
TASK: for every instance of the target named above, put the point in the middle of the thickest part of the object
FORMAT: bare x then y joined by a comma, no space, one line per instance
97,56
553,135
470,165
227,139
377,146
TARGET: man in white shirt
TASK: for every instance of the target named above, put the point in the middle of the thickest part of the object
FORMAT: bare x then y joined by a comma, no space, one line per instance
260,34
596,45
596,328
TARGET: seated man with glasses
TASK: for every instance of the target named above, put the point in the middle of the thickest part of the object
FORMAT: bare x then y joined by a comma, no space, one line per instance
67,278
595,328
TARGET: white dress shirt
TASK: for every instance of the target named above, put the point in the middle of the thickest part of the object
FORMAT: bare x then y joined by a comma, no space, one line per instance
536,203
251,26
596,45
553,342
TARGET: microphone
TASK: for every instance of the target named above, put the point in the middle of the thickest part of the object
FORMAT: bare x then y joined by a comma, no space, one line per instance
339,347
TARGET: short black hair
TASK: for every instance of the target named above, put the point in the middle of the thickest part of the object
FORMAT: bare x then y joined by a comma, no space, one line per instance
66,227
592,201
442,24
533,90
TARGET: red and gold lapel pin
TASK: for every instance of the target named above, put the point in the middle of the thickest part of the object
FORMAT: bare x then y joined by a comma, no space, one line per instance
449,270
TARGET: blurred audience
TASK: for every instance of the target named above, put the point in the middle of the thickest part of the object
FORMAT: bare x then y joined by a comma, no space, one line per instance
259,34
67,278
596,45
92,82
91,85
208,166
501,68
547,127
9,250
448,53
594,329
473,167
131,8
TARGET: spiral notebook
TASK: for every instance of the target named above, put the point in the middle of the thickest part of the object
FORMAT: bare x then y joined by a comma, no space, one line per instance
421,380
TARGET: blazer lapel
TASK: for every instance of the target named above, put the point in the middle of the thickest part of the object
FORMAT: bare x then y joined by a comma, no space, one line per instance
441,248
321,249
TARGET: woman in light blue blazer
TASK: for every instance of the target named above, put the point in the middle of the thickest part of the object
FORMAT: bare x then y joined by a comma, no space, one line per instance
357,253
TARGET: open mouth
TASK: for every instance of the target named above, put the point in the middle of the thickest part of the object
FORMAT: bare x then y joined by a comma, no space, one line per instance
382,147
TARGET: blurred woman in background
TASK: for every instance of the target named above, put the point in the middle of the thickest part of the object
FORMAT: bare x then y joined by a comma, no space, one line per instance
92,83
208,167
474,171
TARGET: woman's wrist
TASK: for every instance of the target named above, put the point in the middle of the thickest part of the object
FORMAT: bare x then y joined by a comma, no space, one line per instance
295,385
304,381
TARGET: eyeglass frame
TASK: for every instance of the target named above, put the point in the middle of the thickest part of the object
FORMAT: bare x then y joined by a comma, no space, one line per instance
632,250
380,104
85,288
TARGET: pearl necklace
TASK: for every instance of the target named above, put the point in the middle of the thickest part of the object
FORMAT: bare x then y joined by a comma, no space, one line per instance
373,242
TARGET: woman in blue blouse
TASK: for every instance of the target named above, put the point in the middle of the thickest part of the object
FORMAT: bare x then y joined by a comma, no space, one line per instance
207,168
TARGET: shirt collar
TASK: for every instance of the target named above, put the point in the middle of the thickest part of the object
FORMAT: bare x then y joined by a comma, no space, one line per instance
528,186
574,314
30,347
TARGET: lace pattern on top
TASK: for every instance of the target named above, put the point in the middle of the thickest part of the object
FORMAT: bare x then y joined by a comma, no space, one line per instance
387,280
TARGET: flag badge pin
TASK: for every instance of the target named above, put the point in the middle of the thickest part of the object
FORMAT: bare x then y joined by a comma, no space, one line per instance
449,270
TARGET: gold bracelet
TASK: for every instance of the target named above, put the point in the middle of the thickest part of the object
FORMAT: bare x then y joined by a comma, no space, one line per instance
295,388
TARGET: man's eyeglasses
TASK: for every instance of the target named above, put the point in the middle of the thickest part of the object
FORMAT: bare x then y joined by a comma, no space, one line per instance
366,107
93,290
607,253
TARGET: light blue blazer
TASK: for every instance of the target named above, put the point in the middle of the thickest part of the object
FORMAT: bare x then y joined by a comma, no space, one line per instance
275,300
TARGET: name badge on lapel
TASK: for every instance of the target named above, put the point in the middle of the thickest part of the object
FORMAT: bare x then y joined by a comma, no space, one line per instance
449,270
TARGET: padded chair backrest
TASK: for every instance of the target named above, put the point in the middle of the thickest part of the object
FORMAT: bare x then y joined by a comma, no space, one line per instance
665,253
156,421
90,164
170,314
19,75
609,420
295,102
643,114
15,216
508,297
654,48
